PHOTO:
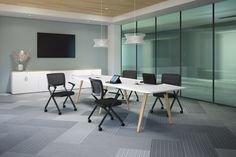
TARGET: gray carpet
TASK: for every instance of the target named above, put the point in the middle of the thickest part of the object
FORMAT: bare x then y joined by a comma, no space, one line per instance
204,130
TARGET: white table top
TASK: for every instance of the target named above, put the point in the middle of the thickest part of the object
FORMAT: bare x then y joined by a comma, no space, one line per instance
131,84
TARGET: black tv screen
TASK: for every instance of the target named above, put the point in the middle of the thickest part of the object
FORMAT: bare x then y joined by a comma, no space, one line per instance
51,45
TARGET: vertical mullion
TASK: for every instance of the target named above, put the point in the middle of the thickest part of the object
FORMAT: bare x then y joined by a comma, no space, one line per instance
121,69
213,53
136,47
180,46
155,43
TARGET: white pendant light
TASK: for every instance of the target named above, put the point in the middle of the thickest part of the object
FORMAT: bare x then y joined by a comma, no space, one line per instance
102,42
134,38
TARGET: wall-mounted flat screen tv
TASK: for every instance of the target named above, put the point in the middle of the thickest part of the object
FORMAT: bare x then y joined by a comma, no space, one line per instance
51,45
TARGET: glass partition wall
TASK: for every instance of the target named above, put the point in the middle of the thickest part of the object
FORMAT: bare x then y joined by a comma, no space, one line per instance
225,52
196,69
128,51
198,43
146,51
168,44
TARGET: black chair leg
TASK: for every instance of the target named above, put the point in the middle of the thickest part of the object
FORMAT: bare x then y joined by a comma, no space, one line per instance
130,95
89,120
45,108
162,105
99,126
75,109
121,93
151,111
136,96
117,116
65,102
59,111
112,118
181,111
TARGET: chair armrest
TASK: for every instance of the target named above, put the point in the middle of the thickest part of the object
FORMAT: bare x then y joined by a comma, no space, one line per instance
71,83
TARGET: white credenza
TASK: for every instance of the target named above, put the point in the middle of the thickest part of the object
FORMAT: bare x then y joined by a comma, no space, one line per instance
36,81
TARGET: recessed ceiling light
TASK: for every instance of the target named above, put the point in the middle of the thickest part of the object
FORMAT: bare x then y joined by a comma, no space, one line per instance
106,8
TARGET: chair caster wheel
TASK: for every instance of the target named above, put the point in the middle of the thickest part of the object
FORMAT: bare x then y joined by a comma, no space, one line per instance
123,124
59,113
45,110
162,107
151,111
181,112
112,118
99,129
64,106
137,100
89,121
75,109
122,97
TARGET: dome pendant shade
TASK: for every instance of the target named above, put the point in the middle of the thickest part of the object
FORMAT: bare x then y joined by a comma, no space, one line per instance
100,42
134,38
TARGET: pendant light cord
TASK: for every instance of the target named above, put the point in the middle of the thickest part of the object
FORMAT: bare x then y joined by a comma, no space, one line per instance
101,19
134,17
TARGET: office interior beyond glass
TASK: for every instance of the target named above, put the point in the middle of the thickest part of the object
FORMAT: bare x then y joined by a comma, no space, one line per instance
198,43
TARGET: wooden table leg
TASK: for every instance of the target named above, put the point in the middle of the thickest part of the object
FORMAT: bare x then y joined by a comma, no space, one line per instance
80,87
167,100
142,109
126,99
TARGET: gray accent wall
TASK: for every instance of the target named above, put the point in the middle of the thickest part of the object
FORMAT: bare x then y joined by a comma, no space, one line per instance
19,33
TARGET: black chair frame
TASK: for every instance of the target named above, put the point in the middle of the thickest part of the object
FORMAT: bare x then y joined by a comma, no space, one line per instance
54,93
133,75
99,103
173,95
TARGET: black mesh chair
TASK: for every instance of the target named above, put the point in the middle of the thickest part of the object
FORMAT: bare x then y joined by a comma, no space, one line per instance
106,103
55,80
149,78
133,75
173,79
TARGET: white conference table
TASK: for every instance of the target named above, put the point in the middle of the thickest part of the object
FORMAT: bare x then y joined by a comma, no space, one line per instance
131,85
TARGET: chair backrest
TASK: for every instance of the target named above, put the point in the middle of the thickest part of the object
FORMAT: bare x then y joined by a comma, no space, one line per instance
149,78
97,88
130,74
173,79
56,79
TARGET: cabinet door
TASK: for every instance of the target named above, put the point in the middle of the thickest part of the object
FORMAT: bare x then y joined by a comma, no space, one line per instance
32,81
19,82
42,81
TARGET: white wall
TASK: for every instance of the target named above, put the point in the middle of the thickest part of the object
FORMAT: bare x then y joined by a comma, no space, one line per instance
20,33
114,49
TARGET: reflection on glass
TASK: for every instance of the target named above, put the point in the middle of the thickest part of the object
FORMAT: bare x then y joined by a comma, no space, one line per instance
197,53
146,51
128,50
225,52
168,44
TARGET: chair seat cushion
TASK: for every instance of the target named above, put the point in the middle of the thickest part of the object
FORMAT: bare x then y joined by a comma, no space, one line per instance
107,102
63,93
170,95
